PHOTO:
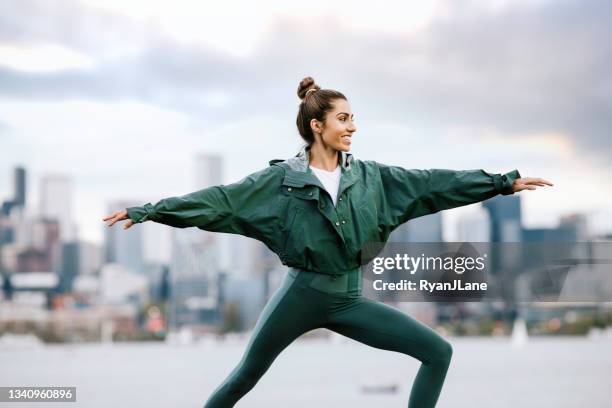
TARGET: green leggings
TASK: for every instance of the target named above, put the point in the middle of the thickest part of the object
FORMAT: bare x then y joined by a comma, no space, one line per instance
308,300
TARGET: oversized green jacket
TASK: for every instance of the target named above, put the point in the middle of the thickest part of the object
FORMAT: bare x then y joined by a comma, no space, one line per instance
286,207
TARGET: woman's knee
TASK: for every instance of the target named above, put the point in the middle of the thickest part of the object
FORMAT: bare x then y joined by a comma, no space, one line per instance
443,353
446,351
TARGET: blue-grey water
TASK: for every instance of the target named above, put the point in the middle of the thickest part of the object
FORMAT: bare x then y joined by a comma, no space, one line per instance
485,372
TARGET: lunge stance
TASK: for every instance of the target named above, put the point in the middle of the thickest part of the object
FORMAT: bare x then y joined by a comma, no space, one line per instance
315,211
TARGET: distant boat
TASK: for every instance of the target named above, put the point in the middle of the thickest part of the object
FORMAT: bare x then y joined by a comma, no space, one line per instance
106,333
379,388
519,333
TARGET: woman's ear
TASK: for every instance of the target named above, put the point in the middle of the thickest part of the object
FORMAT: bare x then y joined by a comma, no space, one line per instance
315,125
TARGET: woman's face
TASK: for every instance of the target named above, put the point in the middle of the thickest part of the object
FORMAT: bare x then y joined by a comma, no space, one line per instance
338,127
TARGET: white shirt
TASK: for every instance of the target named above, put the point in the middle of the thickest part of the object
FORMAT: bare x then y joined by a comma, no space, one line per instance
330,180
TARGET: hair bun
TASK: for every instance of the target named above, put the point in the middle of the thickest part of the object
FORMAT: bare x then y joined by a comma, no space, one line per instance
306,85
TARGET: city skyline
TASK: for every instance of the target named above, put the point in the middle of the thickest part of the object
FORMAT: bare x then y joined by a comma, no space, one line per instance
435,85
452,219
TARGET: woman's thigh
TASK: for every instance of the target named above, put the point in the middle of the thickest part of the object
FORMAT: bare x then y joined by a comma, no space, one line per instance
291,311
385,327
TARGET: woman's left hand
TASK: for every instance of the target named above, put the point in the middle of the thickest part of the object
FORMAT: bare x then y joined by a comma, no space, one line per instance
529,183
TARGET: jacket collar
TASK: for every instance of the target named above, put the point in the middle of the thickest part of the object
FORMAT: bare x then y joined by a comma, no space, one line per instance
301,160
299,174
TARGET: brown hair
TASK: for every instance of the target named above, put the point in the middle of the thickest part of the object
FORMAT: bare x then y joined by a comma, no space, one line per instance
315,105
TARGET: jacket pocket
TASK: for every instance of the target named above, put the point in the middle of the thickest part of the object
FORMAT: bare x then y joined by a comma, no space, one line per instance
287,228
368,221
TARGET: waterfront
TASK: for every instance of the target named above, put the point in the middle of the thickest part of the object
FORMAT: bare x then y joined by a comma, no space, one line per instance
485,372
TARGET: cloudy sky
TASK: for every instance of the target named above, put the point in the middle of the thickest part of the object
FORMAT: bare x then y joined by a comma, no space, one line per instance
121,95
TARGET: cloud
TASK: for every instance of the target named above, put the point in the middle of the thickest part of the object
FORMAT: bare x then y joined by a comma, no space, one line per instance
69,23
524,68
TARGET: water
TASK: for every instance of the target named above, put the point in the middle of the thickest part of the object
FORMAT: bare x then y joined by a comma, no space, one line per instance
485,372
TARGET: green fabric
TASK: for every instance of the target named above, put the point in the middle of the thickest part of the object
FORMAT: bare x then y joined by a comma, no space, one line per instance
299,305
286,207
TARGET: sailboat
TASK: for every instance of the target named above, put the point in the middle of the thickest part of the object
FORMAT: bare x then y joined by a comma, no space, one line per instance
519,333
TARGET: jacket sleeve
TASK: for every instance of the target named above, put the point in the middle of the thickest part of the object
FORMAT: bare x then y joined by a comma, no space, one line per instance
246,207
414,193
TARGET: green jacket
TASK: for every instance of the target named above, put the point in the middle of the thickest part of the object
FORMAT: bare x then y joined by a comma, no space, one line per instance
286,207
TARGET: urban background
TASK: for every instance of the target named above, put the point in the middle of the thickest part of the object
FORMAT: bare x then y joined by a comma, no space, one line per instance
63,289
107,104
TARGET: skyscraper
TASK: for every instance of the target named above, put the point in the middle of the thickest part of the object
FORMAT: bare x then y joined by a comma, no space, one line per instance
124,247
19,193
505,216
208,170
506,227
421,229
194,263
56,203
474,226
19,186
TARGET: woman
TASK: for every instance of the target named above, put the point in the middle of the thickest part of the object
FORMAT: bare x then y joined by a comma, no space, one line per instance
316,210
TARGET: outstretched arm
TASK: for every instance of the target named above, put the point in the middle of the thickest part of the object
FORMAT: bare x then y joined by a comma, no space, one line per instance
415,193
244,207
199,208
207,207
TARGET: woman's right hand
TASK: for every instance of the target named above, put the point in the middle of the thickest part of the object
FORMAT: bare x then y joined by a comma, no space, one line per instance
119,216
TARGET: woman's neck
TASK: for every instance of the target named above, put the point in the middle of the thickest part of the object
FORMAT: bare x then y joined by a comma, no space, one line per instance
324,158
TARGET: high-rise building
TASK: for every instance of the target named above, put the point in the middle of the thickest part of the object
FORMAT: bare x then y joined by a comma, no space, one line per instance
70,265
124,247
474,226
38,238
422,229
90,258
505,216
194,263
19,186
56,203
208,170
19,193
208,173
505,259
572,228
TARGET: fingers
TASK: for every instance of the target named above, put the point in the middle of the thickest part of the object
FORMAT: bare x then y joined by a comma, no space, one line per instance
530,183
545,182
110,217
113,221
535,180
539,182
118,216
